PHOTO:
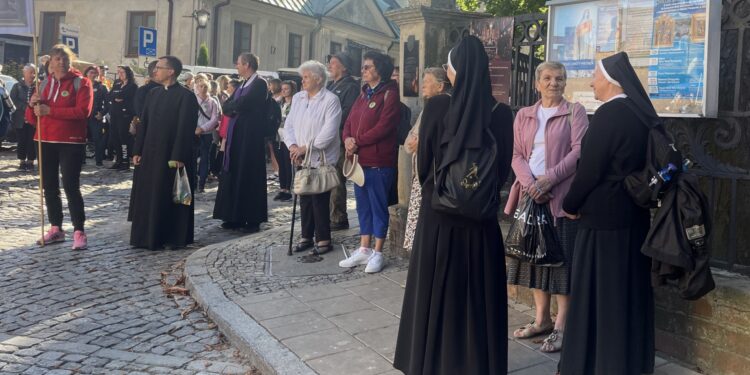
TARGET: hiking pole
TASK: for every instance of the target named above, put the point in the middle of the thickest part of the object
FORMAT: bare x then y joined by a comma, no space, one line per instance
294,213
39,146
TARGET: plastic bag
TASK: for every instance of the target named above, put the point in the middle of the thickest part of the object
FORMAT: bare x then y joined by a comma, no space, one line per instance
532,237
181,193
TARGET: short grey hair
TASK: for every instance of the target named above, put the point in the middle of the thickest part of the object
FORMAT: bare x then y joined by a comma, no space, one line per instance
440,76
30,66
317,69
551,65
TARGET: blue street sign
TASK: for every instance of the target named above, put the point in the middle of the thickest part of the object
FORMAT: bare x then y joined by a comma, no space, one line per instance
71,41
146,41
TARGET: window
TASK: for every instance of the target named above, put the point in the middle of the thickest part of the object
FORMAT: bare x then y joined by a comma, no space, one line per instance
243,35
136,20
335,48
295,51
356,54
51,29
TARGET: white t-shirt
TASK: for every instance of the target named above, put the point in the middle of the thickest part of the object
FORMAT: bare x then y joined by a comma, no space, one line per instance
537,159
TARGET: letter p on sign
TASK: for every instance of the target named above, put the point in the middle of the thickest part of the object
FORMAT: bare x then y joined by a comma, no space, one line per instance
146,41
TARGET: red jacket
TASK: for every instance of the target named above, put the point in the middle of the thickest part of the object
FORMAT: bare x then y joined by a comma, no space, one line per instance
69,109
372,123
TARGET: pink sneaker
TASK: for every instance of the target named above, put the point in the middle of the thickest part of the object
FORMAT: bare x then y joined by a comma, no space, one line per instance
54,234
80,242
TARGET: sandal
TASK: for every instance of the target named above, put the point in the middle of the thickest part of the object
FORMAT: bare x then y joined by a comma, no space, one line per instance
302,246
321,249
553,342
530,330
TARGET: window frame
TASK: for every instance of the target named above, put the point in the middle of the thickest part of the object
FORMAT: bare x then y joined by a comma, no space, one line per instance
131,45
237,48
47,40
290,56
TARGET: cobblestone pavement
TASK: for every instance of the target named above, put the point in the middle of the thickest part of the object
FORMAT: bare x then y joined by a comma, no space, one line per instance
102,310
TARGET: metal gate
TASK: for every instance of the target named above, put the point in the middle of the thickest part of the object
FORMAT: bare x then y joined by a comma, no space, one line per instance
529,38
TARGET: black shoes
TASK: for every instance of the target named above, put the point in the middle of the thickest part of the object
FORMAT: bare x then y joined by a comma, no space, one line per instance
283,196
251,228
340,226
230,225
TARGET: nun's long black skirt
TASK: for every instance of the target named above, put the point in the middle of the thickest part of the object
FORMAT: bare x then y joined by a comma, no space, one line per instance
610,327
454,317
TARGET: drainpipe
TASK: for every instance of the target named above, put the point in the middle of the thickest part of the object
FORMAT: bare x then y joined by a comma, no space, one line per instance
311,44
170,16
215,28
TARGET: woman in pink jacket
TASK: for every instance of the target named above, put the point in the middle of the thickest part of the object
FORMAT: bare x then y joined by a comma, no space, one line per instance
547,144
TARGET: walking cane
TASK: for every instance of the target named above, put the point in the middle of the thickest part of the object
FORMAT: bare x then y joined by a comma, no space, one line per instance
294,213
39,145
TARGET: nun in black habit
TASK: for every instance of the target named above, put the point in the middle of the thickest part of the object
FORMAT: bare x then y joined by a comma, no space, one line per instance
610,327
454,318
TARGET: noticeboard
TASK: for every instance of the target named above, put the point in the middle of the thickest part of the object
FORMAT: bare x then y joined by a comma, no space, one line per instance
497,36
672,44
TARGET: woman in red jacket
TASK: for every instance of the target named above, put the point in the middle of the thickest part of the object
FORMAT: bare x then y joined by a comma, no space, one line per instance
60,114
370,132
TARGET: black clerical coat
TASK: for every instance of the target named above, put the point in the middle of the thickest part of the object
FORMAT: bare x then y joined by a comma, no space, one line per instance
242,195
167,132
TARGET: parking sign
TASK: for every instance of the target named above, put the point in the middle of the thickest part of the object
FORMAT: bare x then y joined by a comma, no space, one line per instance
71,41
146,41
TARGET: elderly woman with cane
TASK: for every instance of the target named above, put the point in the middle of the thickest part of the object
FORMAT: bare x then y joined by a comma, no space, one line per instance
311,133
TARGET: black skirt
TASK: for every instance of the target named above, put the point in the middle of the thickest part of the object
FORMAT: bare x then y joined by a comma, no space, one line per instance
554,280
610,326
454,318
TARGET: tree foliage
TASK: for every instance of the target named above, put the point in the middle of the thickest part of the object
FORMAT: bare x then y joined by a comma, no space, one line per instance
202,59
504,7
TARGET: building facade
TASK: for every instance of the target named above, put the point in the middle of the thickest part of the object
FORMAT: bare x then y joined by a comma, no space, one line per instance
282,33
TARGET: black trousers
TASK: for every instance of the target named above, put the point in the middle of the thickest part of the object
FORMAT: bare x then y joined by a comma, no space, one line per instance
285,165
120,138
65,157
26,146
315,216
96,131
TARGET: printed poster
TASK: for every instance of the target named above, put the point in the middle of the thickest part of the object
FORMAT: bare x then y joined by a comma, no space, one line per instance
665,40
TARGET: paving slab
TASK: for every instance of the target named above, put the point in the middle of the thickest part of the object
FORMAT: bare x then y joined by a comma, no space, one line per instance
322,343
297,324
360,361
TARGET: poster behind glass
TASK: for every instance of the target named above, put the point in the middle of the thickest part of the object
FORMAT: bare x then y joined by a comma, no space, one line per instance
497,36
665,40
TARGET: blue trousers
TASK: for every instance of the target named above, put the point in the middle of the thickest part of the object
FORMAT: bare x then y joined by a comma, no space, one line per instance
204,149
372,201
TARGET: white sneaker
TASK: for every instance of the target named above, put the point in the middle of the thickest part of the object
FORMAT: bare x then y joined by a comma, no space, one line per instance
358,257
375,263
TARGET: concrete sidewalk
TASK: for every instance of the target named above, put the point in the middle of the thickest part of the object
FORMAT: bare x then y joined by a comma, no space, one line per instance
307,318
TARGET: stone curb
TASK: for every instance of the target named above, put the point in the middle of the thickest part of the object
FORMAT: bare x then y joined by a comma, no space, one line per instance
265,352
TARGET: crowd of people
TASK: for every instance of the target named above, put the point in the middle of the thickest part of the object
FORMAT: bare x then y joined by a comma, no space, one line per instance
454,317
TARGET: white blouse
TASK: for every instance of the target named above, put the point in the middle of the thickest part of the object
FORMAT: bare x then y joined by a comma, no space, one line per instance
315,120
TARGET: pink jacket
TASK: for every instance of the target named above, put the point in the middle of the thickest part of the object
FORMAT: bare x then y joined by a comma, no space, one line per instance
562,148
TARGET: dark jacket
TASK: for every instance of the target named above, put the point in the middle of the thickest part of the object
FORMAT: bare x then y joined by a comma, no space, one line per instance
100,98
125,107
20,94
347,89
140,97
614,145
372,123
677,241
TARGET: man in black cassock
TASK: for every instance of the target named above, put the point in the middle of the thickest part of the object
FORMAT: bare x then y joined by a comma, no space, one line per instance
163,143
241,201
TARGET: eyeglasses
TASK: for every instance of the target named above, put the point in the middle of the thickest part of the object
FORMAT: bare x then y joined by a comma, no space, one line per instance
367,67
445,67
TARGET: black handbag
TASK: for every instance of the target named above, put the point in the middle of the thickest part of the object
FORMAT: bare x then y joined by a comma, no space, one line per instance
468,186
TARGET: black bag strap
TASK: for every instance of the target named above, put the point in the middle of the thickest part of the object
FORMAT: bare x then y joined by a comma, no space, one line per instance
200,108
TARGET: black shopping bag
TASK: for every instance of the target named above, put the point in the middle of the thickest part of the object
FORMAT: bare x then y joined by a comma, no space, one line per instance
532,237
